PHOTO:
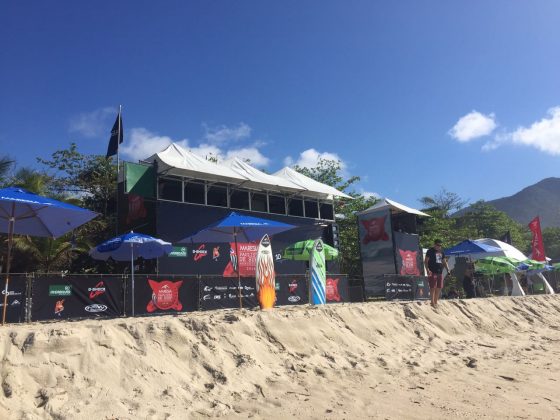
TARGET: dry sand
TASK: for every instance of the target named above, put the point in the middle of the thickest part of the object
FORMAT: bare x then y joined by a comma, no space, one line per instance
485,358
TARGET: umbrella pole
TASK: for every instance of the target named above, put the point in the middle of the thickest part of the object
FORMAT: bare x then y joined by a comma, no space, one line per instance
238,271
10,240
132,272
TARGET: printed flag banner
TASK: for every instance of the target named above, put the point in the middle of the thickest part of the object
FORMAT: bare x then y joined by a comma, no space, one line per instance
116,137
537,242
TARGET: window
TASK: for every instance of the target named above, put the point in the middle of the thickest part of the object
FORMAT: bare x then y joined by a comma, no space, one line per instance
295,207
217,195
276,204
258,202
239,199
327,211
311,209
170,189
194,192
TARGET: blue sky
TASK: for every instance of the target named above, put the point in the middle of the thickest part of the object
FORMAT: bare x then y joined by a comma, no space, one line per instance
411,96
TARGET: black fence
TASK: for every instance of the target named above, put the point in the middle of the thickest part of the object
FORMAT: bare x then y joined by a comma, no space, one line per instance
53,296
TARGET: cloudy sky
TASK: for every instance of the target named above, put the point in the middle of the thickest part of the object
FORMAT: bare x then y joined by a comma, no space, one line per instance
410,96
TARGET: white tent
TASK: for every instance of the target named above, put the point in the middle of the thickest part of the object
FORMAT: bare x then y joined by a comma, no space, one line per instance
178,161
394,207
309,183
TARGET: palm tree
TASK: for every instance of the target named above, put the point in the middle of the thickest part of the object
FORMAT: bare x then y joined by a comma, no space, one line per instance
5,166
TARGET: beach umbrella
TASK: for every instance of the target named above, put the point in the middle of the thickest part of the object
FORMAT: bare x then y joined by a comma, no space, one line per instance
532,265
25,213
128,247
494,265
238,227
469,247
301,251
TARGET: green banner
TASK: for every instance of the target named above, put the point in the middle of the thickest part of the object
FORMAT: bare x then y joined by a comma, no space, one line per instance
139,179
60,290
178,252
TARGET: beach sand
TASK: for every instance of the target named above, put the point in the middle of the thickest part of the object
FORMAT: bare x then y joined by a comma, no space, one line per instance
483,358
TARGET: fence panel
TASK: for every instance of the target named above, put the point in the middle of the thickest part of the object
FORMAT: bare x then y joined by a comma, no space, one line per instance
223,292
17,298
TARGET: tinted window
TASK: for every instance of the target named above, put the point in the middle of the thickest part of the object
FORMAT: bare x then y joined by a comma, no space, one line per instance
311,209
327,211
295,207
170,189
258,202
194,192
276,204
217,195
239,199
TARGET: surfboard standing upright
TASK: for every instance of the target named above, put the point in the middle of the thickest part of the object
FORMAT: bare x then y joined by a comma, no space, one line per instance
265,277
317,269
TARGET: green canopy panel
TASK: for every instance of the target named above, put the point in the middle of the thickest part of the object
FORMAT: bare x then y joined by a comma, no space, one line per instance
301,251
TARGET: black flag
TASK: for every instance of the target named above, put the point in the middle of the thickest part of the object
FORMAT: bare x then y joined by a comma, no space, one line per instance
116,137
506,238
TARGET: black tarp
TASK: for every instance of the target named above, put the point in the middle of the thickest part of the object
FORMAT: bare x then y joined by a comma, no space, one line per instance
17,292
221,293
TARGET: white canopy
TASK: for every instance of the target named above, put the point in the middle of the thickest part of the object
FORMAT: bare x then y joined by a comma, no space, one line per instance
308,183
261,179
176,160
394,207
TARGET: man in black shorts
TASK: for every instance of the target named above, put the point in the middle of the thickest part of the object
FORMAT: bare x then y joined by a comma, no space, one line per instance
435,262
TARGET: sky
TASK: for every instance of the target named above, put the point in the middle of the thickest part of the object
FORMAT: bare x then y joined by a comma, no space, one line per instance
411,96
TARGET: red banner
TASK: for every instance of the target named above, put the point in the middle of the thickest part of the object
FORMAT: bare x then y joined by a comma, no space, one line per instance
245,258
537,242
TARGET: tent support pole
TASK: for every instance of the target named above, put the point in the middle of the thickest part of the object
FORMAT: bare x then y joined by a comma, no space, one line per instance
238,271
10,241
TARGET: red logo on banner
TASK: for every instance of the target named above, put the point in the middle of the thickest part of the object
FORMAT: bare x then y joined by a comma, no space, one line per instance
200,252
537,242
136,209
165,295
409,266
292,286
59,307
216,253
97,290
375,230
332,290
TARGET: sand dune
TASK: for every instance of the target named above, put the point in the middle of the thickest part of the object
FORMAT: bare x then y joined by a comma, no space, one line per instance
485,358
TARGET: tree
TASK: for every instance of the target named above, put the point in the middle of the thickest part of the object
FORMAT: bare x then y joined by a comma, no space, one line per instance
329,172
444,201
6,165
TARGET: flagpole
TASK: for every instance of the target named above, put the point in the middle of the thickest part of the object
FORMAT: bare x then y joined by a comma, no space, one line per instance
118,165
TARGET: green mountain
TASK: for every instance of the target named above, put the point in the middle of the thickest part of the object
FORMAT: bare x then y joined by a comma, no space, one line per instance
541,199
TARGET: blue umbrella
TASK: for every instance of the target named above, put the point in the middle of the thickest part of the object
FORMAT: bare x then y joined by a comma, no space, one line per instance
25,213
238,227
470,247
128,247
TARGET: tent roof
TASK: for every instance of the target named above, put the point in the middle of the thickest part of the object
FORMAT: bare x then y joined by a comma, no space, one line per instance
260,178
308,183
471,247
506,249
176,160
394,207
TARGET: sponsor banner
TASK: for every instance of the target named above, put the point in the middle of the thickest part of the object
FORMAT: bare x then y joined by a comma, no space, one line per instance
376,244
291,290
221,293
56,297
17,291
408,254
162,295
406,287
179,252
337,288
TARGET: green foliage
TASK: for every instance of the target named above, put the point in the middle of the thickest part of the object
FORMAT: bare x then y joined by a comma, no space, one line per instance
551,239
329,172
6,165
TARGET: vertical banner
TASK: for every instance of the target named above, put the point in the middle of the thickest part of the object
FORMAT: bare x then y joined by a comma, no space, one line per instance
537,241
376,248
17,292
56,297
318,271
408,254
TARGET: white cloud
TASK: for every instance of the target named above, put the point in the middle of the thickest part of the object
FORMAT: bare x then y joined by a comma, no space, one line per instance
310,157
543,135
93,124
142,143
223,134
472,126
369,194
255,157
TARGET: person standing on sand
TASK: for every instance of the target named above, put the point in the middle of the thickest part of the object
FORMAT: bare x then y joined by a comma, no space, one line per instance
435,262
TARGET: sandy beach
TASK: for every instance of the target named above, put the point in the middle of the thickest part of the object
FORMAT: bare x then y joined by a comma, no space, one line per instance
484,358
